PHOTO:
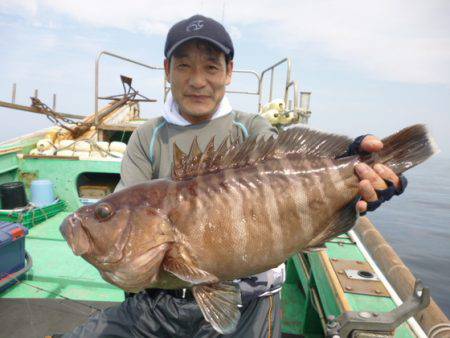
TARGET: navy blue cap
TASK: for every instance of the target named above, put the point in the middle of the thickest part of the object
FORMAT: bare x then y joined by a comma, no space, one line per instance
198,27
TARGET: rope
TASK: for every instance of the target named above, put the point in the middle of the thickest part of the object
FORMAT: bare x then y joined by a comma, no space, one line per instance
123,135
21,211
99,149
14,276
30,207
33,211
270,316
53,293
93,145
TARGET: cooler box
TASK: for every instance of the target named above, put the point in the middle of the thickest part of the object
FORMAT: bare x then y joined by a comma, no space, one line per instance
12,251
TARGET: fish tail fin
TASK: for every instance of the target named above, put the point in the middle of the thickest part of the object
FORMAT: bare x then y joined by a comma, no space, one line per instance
405,149
401,151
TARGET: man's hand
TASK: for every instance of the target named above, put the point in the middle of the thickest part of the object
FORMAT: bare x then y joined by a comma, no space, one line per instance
372,179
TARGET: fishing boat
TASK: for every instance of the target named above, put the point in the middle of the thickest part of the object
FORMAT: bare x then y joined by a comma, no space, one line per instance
358,287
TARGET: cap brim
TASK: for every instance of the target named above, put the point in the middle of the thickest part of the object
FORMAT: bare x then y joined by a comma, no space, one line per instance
215,43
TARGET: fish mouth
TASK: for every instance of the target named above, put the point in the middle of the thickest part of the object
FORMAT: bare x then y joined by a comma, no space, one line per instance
81,242
75,235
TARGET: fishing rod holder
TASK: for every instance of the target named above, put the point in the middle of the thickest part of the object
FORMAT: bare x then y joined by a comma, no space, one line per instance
367,323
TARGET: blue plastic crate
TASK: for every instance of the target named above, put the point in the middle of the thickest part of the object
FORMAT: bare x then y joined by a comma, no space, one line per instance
12,251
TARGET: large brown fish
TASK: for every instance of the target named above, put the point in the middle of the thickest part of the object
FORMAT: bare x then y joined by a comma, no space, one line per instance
230,213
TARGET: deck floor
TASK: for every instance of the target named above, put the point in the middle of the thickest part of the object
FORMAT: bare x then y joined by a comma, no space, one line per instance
27,311
58,271
35,308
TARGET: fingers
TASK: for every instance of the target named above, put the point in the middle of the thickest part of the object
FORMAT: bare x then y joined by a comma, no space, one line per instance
371,144
367,191
373,179
387,174
370,180
361,206
367,173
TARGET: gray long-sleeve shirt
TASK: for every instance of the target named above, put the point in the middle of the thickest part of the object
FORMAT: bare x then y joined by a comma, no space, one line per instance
149,153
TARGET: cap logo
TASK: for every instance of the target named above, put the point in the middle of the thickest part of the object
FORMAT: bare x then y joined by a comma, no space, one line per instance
194,26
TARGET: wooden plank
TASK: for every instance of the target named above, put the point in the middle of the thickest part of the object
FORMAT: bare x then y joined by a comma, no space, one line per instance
334,281
34,110
103,115
119,127
52,157
10,150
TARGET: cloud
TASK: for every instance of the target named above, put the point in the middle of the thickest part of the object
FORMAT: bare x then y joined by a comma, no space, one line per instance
396,41
24,7
401,41
235,33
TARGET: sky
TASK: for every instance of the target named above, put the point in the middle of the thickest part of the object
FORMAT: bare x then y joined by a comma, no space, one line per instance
372,66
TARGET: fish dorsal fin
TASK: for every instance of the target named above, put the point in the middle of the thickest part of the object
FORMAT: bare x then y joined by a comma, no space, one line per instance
179,159
301,141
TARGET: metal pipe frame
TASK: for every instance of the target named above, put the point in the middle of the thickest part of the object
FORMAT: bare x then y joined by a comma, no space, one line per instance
295,86
97,70
288,81
246,71
166,86
259,78
242,71
13,98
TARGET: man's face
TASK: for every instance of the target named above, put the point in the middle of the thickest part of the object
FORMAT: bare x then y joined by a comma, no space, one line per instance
198,75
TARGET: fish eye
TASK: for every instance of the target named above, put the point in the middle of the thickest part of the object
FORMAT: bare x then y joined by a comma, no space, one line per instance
103,211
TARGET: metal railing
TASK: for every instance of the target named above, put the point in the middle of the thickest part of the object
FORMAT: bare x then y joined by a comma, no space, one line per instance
272,71
97,76
300,102
251,72
36,92
303,111
14,105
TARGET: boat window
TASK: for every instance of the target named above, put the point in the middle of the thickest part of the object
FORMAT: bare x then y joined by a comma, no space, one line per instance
116,135
94,186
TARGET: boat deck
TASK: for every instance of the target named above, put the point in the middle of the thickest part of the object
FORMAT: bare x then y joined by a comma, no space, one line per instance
35,307
58,271
332,301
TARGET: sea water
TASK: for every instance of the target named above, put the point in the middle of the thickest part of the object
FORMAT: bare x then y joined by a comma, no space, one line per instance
417,225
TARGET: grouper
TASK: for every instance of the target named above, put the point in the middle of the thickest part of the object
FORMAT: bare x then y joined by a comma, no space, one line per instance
231,211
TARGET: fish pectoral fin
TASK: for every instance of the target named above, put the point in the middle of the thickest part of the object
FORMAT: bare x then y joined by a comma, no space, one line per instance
179,263
219,304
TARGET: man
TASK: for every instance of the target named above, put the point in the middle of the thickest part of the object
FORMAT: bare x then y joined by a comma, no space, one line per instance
199,64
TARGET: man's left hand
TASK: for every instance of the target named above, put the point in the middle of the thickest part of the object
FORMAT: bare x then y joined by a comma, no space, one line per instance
373,178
